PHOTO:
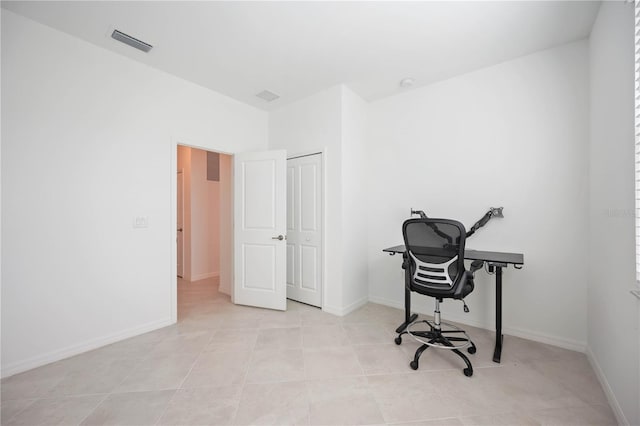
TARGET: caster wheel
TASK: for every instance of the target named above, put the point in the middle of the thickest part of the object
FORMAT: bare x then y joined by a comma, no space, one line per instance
471,350
413,365
398,340
468,372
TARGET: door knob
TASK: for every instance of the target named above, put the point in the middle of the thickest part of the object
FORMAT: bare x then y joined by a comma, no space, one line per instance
279,237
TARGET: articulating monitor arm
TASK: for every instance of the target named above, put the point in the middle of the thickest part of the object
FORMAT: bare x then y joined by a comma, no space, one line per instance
493,212
432,226
420,212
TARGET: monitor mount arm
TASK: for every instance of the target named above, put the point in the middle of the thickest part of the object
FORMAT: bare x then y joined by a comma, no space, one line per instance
493,212
431,225
420,212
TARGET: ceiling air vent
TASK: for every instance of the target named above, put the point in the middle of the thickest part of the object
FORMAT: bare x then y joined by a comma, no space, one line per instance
267,96
133,42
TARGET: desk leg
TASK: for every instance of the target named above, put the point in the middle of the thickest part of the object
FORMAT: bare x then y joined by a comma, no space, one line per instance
408,318
497,352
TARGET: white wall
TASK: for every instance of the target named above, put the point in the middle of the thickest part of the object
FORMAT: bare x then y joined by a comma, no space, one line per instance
88,140
202,209
613,337
226,224
334,121
205,219
311,125
355,273
511,135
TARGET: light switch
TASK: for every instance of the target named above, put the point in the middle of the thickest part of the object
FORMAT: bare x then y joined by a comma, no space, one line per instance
141,222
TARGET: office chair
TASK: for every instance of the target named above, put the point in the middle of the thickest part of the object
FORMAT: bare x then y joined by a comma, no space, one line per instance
434,266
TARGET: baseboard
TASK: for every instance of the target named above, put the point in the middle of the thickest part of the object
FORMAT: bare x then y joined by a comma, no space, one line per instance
347,309
613,402
199,277
573,345
40,360
386,302
332,310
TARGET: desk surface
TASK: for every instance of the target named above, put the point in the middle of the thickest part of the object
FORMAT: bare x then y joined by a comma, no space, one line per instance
487,256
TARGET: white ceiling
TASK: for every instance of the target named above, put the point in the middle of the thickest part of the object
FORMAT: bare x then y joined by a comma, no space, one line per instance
298,48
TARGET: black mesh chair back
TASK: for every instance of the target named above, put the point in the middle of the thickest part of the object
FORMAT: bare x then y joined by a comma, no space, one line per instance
434,266
435,249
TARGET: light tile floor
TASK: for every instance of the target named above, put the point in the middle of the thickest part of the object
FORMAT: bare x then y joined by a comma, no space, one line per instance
227,364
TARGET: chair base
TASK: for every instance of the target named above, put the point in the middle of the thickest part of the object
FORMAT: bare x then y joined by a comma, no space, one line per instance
441,339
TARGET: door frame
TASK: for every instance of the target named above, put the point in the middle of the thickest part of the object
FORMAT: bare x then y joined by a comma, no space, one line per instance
173,176
180,171
173,221
323,209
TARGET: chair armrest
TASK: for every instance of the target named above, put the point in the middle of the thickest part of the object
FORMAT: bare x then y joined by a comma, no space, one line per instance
406,263
475,265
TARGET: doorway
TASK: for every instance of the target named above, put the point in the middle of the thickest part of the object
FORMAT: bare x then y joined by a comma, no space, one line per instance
203,225
233,170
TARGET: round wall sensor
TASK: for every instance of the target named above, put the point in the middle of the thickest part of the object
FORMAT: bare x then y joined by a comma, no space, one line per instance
407,82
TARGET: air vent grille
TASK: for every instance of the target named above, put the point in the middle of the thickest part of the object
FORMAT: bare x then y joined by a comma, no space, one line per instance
267,96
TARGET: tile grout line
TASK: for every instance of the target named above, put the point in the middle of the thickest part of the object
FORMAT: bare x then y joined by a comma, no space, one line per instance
94,409
244,378
184,379
166,407
108,394
304,375
21,410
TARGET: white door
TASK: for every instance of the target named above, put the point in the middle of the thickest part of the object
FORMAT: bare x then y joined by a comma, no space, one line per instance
180,225
304,229
260,229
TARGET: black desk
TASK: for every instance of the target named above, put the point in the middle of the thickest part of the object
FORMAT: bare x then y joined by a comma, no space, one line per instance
496,261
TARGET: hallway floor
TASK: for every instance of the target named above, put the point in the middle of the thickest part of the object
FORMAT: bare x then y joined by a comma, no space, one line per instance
227,364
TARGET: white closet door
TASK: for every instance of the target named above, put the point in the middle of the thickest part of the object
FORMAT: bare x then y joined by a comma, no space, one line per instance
304,229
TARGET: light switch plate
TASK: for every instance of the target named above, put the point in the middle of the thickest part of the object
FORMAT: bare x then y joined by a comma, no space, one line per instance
141,222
